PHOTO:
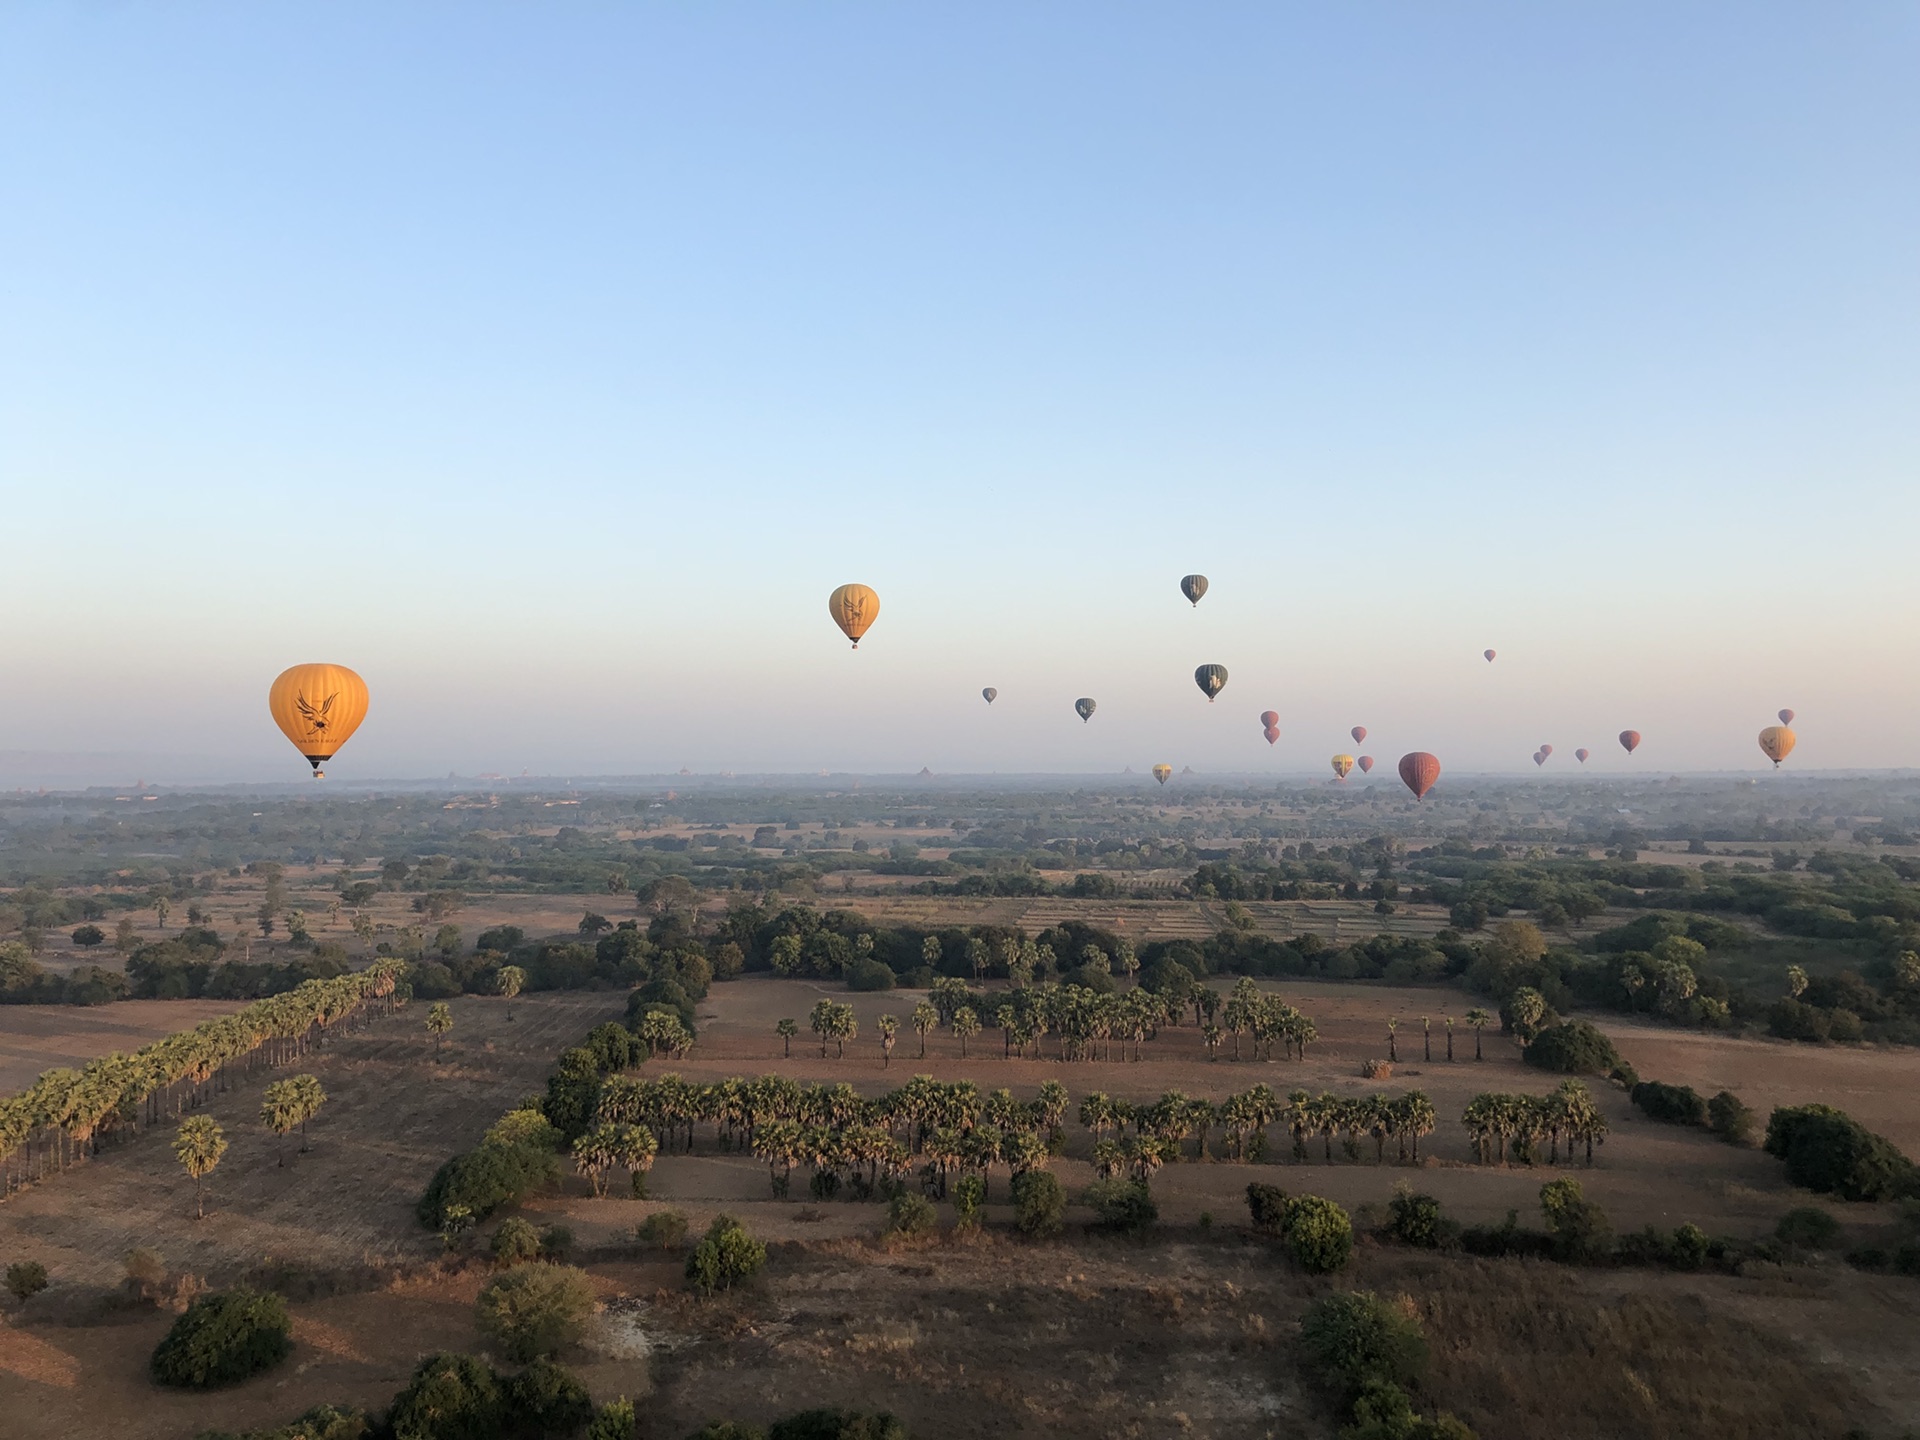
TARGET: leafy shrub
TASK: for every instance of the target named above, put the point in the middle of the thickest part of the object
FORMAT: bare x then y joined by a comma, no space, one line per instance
1384,1411
909,1213
484,1180
1353,1337
448,1397
868,975
726,1256
615,1421
222,1339
837,1425
969,1200
544,1400
1807,1228
1575,1048
662,1230
26,1279
1123,1205
1829,1152
556,1242
515,1241
1731,1120
535,1309
1415,1218
1690,1246
1319,1233
1579,1226
323,1422
1672,1104
1039,1203
1267,1207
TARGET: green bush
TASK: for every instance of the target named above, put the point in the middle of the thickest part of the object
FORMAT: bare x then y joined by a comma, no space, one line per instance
1267,1207
662,1230
725,1257
910,1213
1415,1218
222,1339
1039,1203
837,1425
1807,1228
969,1201
515,1241
1829,1152
1579,1226
1575,1048
448,1397
1319,1233
1731,1120
544,1402
486,1179
868,975
536,1309
1123,1205
1672,1104
1384,1411
1690,1246
26,1279
616,1421
1353,1337
323,1422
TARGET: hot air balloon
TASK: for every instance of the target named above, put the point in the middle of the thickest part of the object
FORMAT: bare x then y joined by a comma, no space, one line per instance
1539,757
1776,742
1272,732
318,707
990,694
1211,679
1581,754
1418,771
1365,762
1786,717
1269,719
1629,740
1342,766
854,608
1489,655
1193,587
1546,750
1084,708
1359,733
1161,772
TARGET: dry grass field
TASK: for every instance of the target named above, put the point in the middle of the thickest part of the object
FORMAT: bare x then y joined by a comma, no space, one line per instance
35,1038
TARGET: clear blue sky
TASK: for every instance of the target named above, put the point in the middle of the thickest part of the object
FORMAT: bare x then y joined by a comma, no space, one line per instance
550,364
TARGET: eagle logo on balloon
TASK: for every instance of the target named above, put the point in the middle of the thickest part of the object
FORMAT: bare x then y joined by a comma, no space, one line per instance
316,719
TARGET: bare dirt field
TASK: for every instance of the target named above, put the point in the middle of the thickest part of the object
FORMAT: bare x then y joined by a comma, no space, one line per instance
35,1038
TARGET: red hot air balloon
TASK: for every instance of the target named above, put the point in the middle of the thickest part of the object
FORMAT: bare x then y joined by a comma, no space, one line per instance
1546,750
1418,771
1272,732
1365,762
1489,655
1786,717
1581,754
1629,740
1359,733
1269,719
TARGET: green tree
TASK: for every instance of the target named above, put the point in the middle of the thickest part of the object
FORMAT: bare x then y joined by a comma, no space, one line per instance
1479,1019
515,1242
448,1397
1354,1338
726,1256
786,1030
889,1028
1319,1233
925,1018
614,1421
535,1309
223,1338
26,1279
966,1025
439,1022
280,1113
510,982
199,1144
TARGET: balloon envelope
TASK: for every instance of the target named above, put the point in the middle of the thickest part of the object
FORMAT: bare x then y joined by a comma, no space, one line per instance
1269,718
1581,754
1161,772
318,707
854,608
1546,750
990,694
1539,757
1211,679
1084,708
1777,742
1629,740
1489,655
1272,732
1418,771
1193,587
1786,717
1342,766
1359,733
1365,762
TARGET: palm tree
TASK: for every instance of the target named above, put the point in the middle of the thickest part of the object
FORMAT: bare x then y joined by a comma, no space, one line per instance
593,1154
199,1144
889,1028
820,1021
1426,1036
924,1018
1479,1020
786,1030
1417,1118
634,1148
1449,1039
966,1024
439,1022
308,1098
1393,1027
510,982
280,1112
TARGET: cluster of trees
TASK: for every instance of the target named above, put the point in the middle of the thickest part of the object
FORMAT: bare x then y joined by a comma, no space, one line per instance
1725,1114
66,1114
1828,1151
1159,1129
1502,1126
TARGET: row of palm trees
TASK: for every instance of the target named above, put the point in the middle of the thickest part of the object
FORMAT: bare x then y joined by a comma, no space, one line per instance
1499,1126
1162,1127
66,1114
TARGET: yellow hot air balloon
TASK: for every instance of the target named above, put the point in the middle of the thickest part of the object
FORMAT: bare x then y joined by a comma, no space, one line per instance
318,707
1161,772
1776,743
1342,766
854,608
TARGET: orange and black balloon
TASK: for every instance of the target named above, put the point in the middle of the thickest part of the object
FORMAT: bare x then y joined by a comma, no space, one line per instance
318,707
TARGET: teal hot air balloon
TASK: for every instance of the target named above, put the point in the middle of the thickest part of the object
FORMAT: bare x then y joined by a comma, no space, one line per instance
1211,679
1084,708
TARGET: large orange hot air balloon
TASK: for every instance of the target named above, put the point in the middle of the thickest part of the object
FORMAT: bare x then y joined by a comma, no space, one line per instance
1365,762
1489,655
854,608
1786,717
1418,771
1193,587
1581,754
1161,772
318,707
1342,766
1211,679
1084,708
1630,740
1777,742
1359,733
